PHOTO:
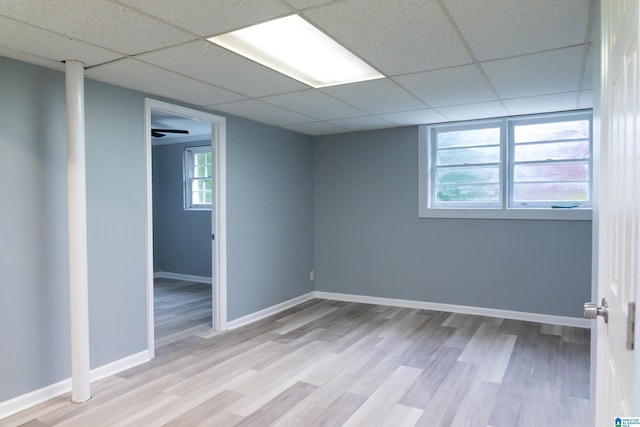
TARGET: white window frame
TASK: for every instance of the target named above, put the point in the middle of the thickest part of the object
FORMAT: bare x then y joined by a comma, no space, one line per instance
427,209
188,178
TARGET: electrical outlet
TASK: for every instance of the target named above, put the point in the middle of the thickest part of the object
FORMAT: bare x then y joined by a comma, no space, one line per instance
312,275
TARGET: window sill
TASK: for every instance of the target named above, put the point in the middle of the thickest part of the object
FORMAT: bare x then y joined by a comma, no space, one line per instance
533,214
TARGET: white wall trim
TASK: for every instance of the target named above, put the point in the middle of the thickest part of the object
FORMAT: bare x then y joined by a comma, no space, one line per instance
269,311
27,400
180,276
120,365
148,155
463,309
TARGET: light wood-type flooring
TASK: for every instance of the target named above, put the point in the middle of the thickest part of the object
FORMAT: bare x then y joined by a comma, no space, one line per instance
181,309
329,363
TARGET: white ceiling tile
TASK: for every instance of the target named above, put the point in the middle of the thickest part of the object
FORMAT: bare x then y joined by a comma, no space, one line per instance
207,62
586,99
208,18
538,74
305,4
501,28
542,104
396,37
99,22
587,80
140,76
453,86
31,59
35,41
375,96
363,123
417,117
412,41
262,112
317,128
314,104
482,110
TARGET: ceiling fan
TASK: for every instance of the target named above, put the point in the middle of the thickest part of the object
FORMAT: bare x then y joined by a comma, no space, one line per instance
159,133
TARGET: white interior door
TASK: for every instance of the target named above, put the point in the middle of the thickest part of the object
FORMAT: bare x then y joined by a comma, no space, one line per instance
618,207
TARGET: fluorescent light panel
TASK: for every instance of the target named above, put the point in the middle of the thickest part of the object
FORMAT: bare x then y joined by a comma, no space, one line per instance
294,47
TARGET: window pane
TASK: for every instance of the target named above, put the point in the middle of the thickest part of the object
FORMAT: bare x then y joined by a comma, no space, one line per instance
207,197
200,172
551,192
468,193
201,185
552,151
197,198
468,156
208,158
467,138
552,172
470,175
576,129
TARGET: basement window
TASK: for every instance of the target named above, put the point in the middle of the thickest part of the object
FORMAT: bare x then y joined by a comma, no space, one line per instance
529,167
198,184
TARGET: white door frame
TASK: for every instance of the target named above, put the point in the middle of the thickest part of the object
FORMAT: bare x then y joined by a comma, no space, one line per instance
219,226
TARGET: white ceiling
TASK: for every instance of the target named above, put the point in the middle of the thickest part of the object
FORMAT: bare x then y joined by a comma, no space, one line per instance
443,59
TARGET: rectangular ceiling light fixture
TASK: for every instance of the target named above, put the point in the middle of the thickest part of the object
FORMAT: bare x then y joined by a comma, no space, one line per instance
294,47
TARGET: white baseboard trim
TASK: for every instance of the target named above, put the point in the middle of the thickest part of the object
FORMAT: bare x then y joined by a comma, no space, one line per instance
25,401
120,365
180,276
274,309
463,309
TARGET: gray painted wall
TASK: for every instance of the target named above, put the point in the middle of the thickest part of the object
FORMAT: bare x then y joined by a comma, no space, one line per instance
270,215
270,223
34,297
181,238
370,241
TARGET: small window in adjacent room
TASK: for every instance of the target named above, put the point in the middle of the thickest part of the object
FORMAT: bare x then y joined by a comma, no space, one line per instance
536,167
198,168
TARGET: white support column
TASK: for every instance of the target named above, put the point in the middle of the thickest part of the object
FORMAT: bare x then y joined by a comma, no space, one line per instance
77,205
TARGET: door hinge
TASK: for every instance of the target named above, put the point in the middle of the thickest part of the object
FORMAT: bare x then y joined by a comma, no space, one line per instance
631,325
213,237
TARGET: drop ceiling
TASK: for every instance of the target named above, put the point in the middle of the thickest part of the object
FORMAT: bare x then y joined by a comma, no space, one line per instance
443,60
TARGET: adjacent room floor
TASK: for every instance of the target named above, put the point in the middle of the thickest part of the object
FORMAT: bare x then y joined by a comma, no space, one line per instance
181,308
334,363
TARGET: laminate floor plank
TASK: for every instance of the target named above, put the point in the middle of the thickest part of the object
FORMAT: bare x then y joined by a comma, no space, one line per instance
121,406
178,306
432,376
402,416
333,413
206,410
475,409
446,402
419,354
278,406
378,408
319,406
333,363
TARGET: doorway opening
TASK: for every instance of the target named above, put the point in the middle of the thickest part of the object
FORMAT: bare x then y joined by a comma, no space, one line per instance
186,233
